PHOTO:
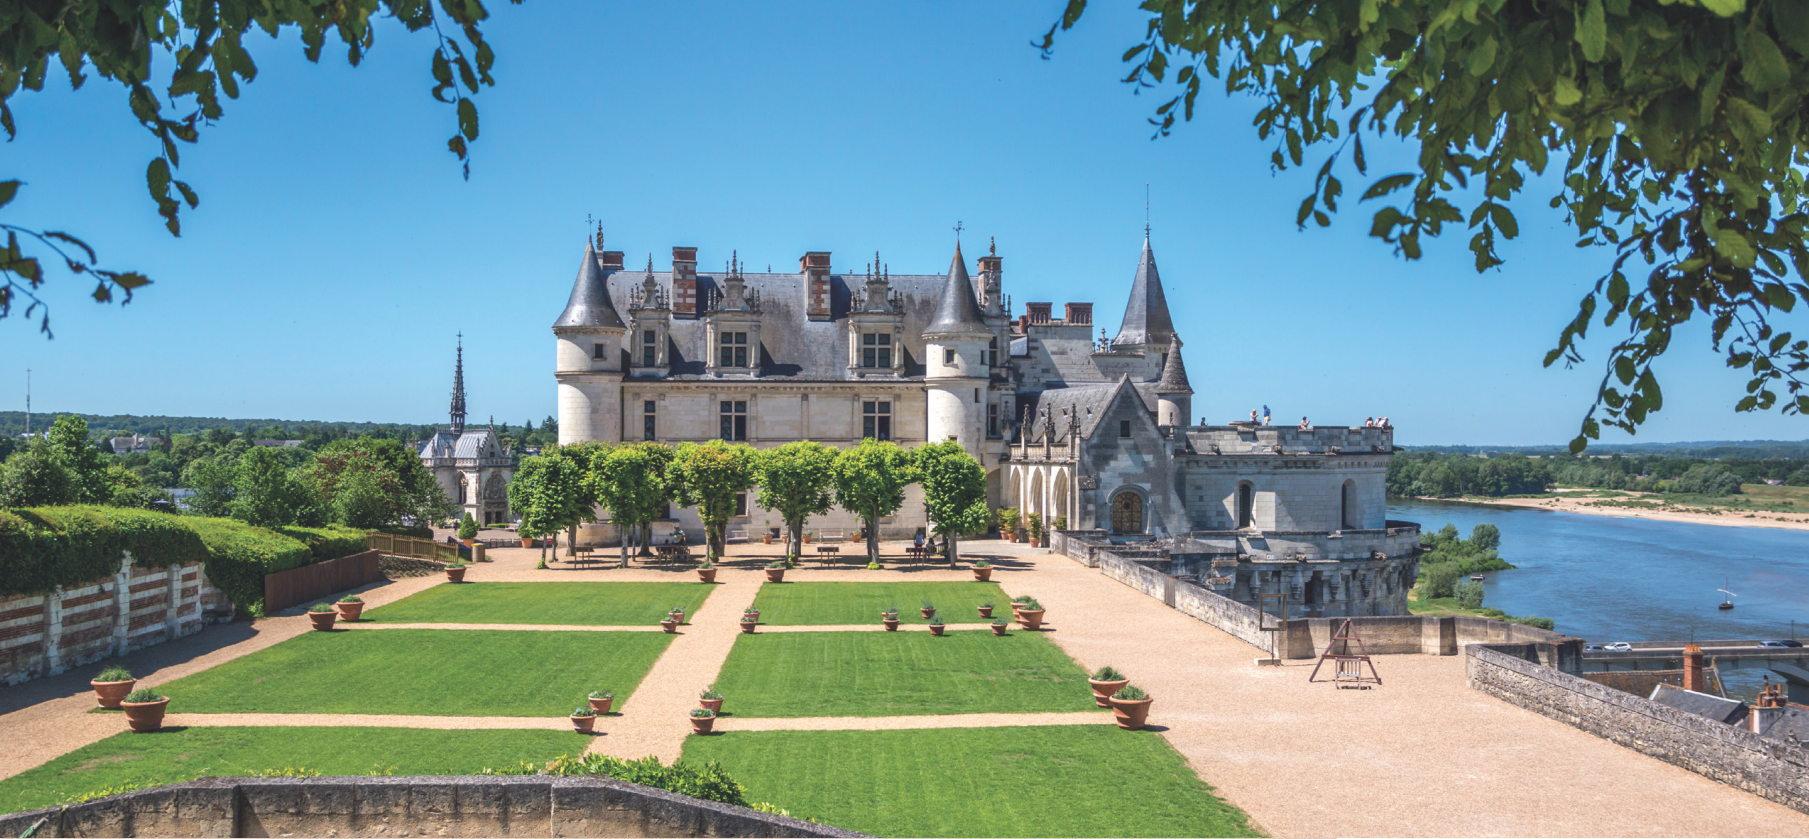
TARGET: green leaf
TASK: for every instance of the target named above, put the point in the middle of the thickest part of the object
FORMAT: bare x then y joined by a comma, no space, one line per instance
1482,58
1725,8
1592,31
1565,91
1749,122
8,189
1762,64
468,119
1387,185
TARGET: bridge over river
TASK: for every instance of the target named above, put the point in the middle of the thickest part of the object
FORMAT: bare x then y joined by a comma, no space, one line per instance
1789,663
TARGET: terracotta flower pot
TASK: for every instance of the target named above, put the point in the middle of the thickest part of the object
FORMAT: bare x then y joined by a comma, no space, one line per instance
1102,691
349,611
1031,618
755,613
981,575
711,704
527,541
601,706
767,539
322,621
1131,714
748,626
670,625
936,629
985,611
455,575
468,542
928,613
998,629
584,725
110,694
806,538
891,624
145,716
702,725
677,616
707,575
775,575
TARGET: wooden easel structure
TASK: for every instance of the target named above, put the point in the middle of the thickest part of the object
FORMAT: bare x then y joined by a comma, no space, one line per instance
1347,667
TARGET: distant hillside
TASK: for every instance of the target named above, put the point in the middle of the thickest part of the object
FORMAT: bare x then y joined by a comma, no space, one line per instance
12,423
1704,448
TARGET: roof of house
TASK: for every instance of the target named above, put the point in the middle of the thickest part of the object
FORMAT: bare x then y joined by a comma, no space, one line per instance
1146,319
1090,399
1793,723
1717,708
590,304
473,442
1643,682
958,311
1174,373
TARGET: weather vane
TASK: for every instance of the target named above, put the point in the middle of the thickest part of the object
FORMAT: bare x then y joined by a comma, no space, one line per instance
958,230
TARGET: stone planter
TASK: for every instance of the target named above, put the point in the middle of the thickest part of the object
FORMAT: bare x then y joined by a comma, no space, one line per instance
1102,691
468,542
349,611
1031,619
702,725
455,575
1131,714
936,629
748,626
711,704
110,694
776,575
584,725
322,621
928,613
985,611
670,625
145,716
601,706
998,630
891,624
707,575
527,541
982,575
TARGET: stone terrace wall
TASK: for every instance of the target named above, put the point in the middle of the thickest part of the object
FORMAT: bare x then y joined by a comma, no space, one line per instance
409,806
46,634
1733,756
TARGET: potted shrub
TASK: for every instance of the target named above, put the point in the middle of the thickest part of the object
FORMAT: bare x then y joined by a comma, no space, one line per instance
670,624
711,699
322,616
936,626
986,609
889,617
1030,615
749,620
1105,682
767,537
775,572
600,700
527,541
111,686
998,626
1130,707
982,570
706,572
807,535
1033,524
584,719
455,571
1060,523
677,613
468,530
928,609
1008,523
702,720
144,709
1018,603
350,607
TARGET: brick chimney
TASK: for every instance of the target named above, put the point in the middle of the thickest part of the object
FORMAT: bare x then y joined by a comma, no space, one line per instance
1770,708
1692,670
612,260
1039,312
1079,314
684,282
815,268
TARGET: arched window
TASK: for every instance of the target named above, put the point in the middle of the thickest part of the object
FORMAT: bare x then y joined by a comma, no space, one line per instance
464,489
1348,505
1246,499
1127,512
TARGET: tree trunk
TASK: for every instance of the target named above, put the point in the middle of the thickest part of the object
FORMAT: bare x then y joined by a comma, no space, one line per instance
950,542
626,531
646,538
873,535
571,541
796,529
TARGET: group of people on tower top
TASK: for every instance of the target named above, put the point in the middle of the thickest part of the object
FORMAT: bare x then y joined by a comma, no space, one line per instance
1372,422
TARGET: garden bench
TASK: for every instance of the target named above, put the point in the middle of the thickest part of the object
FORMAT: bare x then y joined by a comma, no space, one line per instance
835,535
735,537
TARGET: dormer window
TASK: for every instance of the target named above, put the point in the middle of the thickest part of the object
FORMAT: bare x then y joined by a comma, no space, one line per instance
731,349
649,347
876,349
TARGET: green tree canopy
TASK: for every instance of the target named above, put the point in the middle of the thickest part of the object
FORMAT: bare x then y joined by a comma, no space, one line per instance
797,481
954,491
870,481
548,492
33,478
708,476
1677,131
367,482
67,443
630,481
268,493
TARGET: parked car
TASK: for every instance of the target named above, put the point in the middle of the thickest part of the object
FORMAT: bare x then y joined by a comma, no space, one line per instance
1619,647
1594,648
1780,644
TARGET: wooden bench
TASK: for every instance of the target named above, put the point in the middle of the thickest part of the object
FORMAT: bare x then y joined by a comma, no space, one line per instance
835,536
735,537
672,553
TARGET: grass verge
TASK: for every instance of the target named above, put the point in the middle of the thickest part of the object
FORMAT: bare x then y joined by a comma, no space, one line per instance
845,604
429,672
571,604
874,674
1016,781
183,754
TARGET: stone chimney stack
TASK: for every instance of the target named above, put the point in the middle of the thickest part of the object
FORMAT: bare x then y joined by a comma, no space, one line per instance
1079,314
815,268
684,282
612,260
1770,708
992,283
1693,678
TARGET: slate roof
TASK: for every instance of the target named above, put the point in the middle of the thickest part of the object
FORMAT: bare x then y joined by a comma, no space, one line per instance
472,443
958,312
1090,396
1793,723
1643,682
1174,373
1716,708
590,303
1146,319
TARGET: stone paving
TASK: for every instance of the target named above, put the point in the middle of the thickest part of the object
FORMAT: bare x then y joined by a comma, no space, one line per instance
1422,755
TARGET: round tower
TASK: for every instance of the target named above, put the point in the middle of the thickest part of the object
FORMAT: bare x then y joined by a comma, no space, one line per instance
1174,396
956,374
588,362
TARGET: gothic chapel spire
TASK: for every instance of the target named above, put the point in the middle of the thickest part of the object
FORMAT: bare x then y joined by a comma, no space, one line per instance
458,389
1146,320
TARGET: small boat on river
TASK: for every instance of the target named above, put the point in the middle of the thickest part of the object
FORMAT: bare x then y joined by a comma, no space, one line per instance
1476,578
1727,602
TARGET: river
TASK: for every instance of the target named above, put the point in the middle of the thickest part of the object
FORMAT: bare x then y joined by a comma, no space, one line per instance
1623,579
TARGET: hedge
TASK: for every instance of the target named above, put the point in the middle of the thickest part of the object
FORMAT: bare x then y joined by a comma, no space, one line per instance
239,555
42,548
327,542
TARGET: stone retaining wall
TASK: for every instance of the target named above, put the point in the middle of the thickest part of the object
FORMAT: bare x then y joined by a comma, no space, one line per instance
591,805
1734,756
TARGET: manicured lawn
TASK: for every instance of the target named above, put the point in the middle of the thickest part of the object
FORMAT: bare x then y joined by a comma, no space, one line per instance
174,755
874,674
1026,781
573,604
843,604
432,672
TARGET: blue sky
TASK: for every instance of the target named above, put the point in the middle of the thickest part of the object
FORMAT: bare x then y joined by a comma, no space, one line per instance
336,250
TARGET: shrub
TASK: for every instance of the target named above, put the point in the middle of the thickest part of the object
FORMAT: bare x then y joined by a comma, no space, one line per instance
602,694
711,693
1438,581
457,563
1536,623
1107,674
702,714
351,598
239,555
321,608
1060,523
1469,594
775,564
708,781
1486,536
936,621
144,695
705,565
1000,622
327,542
1030,604
927,604
468,527
981,563
874,566
1022,598
114,674
42,548
1130,693
583,711
418,531
986,605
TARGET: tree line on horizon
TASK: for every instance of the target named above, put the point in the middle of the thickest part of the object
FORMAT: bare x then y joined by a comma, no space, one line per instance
1441,475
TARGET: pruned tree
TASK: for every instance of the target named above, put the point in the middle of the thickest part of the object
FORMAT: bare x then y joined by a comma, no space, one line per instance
708,476
1678,131
954,491
797,481
549,493
630,482
870,481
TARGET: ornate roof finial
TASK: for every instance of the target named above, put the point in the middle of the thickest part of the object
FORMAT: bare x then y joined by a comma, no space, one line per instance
458,388
958,229
650,270
1146,209
992,246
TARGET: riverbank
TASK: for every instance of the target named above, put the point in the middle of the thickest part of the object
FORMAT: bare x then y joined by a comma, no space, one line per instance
1645,506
